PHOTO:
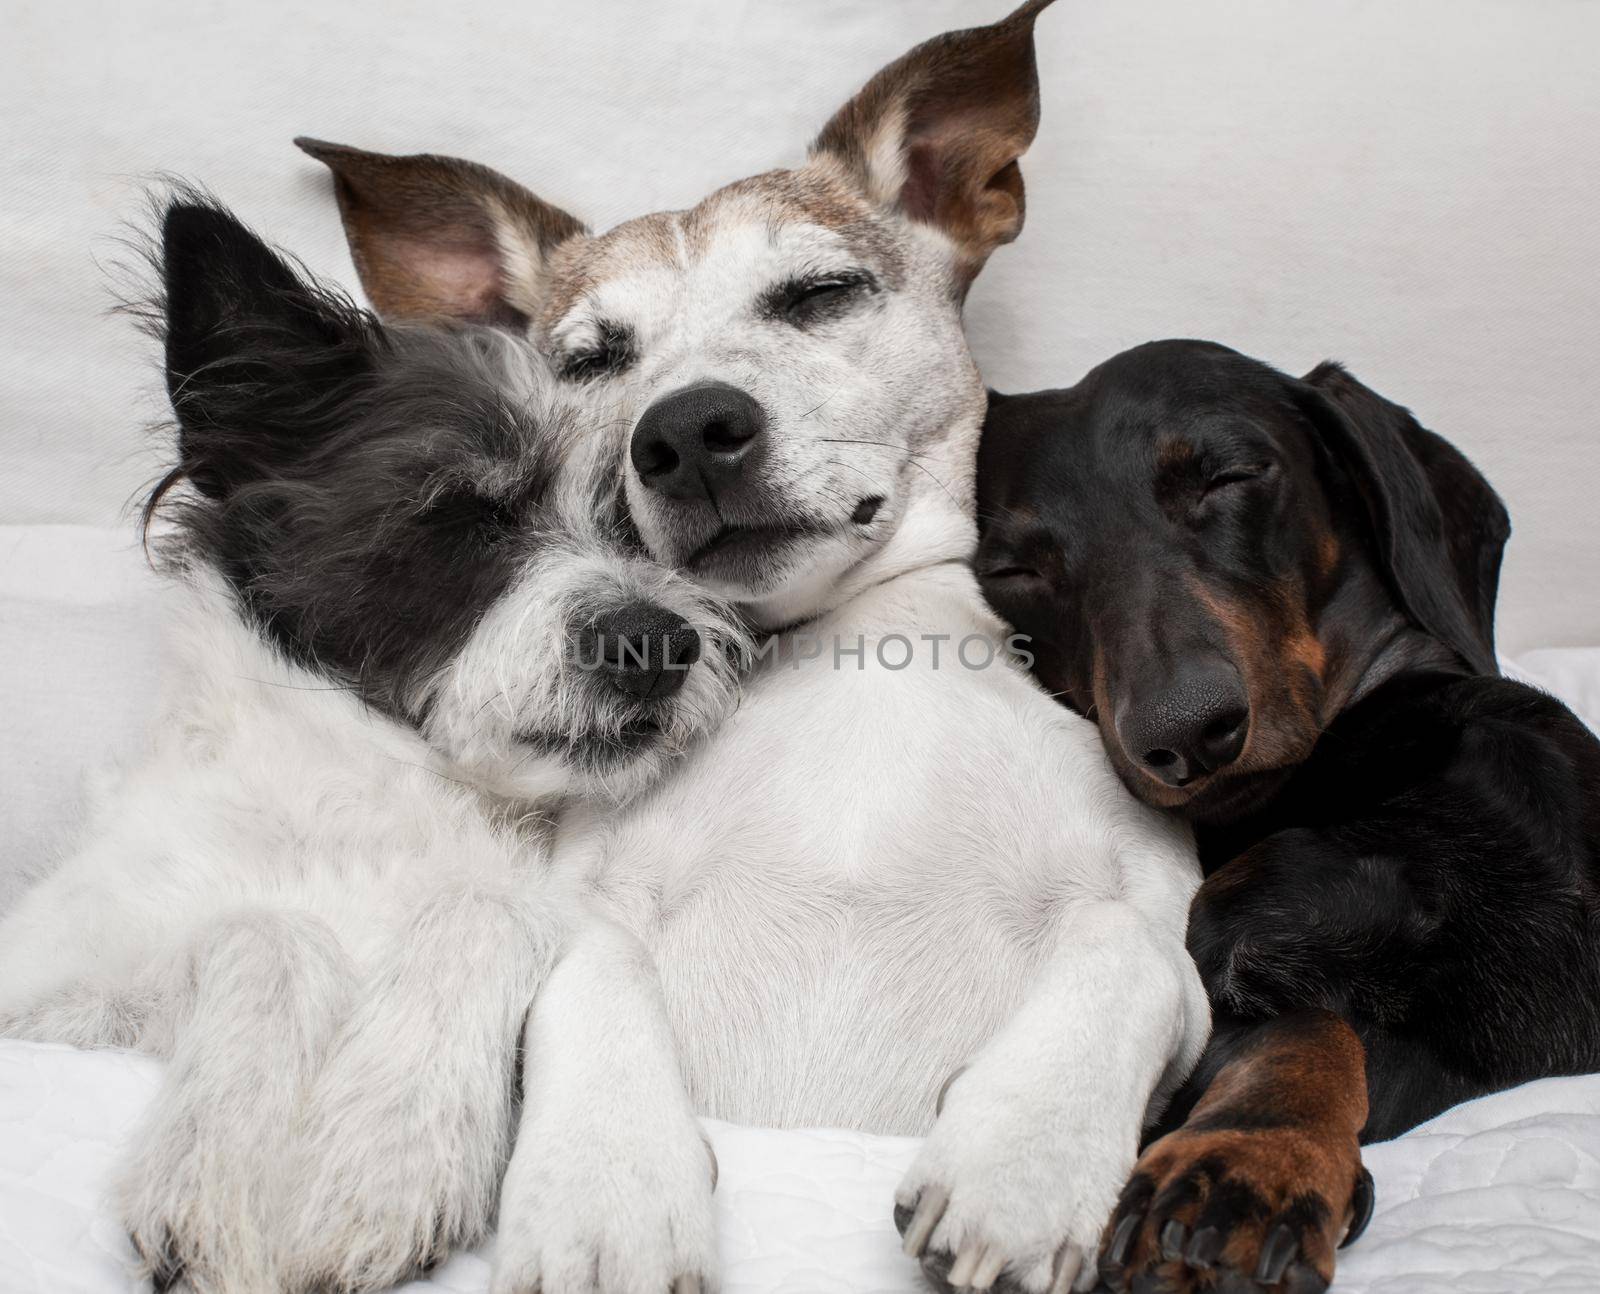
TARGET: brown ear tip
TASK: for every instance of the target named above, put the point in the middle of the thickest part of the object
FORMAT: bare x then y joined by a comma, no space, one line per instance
317,148
1024,16
329,153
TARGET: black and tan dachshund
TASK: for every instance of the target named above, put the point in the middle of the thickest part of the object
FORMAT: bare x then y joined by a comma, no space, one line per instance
1276,599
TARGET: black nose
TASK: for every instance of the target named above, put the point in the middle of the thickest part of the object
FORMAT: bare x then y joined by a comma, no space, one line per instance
693,443
1196,724
640,649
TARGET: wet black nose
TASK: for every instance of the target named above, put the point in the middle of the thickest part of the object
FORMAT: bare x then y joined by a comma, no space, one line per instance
1196,724
640,649
693,443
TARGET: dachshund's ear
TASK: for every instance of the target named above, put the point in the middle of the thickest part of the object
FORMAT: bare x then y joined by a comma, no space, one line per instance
1438,525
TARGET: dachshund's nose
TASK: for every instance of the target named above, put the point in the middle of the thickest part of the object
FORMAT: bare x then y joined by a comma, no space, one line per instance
641,649
693,443
1196,725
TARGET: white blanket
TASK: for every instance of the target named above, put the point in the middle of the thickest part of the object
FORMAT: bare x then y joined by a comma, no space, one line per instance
1498,1196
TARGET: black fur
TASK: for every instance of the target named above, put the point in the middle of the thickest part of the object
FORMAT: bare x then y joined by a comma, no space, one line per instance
1408,839
1430,874
368,492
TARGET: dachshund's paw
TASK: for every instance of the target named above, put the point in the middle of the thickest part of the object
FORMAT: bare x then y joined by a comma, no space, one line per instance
1257,1210
624,1210
1012,1187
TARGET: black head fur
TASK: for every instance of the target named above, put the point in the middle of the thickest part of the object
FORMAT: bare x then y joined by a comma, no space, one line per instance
367,492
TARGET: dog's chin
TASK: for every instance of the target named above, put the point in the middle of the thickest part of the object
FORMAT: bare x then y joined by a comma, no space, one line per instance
609,765
751,557
778,559
778,575
1214,801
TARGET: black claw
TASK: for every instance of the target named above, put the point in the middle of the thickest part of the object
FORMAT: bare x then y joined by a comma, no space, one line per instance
1204,1249
1280,1249
1301,1279
1361,1205
1122,1238
902,1217
166,1268
936,1265
165,1272
1172,1237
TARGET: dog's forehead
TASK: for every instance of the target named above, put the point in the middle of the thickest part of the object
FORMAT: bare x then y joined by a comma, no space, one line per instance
754,221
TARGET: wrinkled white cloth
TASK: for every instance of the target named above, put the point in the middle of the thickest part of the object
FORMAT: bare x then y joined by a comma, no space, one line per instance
1499,1196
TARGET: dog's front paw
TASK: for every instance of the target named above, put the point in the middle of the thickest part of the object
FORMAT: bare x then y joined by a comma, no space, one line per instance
1259,1210
393,1166
621,1210
1012,1188
193,1201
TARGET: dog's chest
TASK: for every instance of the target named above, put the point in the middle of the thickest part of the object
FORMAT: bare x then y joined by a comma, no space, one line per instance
840,907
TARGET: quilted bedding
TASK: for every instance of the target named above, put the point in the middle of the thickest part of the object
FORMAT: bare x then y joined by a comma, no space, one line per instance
1498,1196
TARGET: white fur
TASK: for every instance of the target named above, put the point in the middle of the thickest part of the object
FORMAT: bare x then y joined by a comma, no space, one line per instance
873,876
611,1185
332,934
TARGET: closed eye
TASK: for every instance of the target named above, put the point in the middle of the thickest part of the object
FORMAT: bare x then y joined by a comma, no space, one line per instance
813,298
612,351
1237,476
461,512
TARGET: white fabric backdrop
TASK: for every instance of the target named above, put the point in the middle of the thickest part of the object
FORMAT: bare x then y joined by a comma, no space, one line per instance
1410,187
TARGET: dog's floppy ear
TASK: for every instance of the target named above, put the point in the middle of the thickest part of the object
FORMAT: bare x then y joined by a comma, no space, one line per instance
437,236
258,360
1439,527
938,132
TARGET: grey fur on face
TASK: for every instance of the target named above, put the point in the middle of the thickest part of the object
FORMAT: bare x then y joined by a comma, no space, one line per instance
417,514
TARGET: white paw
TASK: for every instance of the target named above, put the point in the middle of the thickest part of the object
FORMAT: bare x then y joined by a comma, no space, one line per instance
621,1209
1014,1184
193,1201
397,1160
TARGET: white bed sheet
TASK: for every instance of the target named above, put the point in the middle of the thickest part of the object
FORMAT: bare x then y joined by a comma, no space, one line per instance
1498,1196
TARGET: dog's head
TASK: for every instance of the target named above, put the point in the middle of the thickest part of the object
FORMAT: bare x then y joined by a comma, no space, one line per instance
414,513
790,350
1211,558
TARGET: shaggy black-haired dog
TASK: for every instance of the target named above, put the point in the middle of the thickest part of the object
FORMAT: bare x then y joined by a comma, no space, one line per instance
409,625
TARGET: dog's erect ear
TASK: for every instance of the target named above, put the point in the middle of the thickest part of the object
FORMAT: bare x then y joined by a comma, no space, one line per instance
1439,527
938,132
257,358
438,236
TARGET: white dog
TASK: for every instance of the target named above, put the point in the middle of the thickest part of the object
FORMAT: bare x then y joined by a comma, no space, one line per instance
898,857
322,895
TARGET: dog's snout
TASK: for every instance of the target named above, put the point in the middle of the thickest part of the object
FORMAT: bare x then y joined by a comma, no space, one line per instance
641,649
1196,724
694,443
